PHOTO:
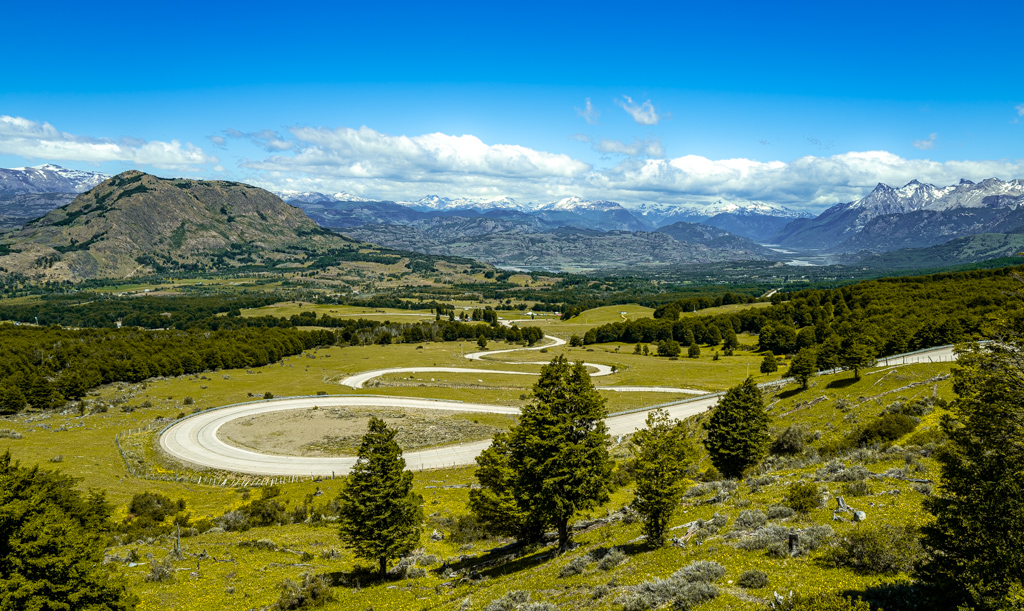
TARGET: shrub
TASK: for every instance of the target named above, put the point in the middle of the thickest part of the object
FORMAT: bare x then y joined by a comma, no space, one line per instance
779,512
576,566
509,602
789,442
878,549
704,571
829,601
753,580
889,427
188,401
268,395
750,519
803,497
154,506
856,473
160,570
701,490
234,521
312,591
9,434
611,560
858,488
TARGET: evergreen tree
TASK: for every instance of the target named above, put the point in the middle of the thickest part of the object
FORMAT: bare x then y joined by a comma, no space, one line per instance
494,502
693,351
804,366
714,336
668,347
557,456
856,354
729,339
663,454
52,542
380,516
974,544
481,342
11,399
737,432
769,364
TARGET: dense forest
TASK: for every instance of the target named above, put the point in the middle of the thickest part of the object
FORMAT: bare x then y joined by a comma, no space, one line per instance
43,367
889,316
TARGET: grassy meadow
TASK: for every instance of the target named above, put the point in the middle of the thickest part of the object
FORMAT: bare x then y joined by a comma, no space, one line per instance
232,570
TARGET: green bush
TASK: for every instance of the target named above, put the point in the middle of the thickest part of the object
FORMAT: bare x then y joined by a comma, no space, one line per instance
829,601
858,488
878,549
789,442
753,580
803,497
312,591
888,427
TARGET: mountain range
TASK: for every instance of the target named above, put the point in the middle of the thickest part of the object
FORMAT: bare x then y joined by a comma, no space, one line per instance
914,216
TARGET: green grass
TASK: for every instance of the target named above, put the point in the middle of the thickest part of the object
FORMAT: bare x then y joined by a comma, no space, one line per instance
89,453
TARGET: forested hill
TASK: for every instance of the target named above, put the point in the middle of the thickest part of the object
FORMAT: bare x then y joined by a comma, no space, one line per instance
135,223
887,316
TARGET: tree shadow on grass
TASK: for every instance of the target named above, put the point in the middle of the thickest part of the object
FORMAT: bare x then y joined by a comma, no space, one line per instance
899,596
785,394
842,383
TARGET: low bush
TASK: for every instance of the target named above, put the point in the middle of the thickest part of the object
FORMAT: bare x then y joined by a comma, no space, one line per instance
684,589
858,488
509,602
779,512
312,591
888,427
803,497
611,560
576,566
789,442
753,580
161,571
883,549
750,519
829,601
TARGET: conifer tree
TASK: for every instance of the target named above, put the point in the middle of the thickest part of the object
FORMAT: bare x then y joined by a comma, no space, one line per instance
553,463
769,364
380,515
693,351
559,450
804,366
737,432
663,454
974,543
52,542
856,354
729,339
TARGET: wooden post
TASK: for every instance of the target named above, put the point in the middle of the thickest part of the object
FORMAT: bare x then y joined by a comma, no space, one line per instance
794,542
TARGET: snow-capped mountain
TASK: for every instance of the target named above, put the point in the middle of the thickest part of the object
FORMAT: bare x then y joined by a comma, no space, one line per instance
47,178
920,214
312,197
441,204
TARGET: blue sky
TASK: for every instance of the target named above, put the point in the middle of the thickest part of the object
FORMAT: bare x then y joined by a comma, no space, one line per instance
805,105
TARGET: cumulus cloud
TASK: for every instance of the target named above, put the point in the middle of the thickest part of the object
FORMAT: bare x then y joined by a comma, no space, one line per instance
368,154
638,148
34,140
808,182
373,164
588,112
644,114
927,144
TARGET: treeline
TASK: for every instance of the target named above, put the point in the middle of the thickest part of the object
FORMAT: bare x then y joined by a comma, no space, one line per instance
44,367
888,316
147,311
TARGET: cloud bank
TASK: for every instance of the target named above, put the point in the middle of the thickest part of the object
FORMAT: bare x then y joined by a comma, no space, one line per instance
34,140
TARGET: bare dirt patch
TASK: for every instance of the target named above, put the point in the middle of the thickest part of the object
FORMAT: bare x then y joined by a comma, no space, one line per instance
338,431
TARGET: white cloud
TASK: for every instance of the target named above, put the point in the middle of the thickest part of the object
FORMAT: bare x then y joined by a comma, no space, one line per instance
218,140
927,144
809,182
372,164
368,154
589,113
34,140
638,148
1020,110
644,114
